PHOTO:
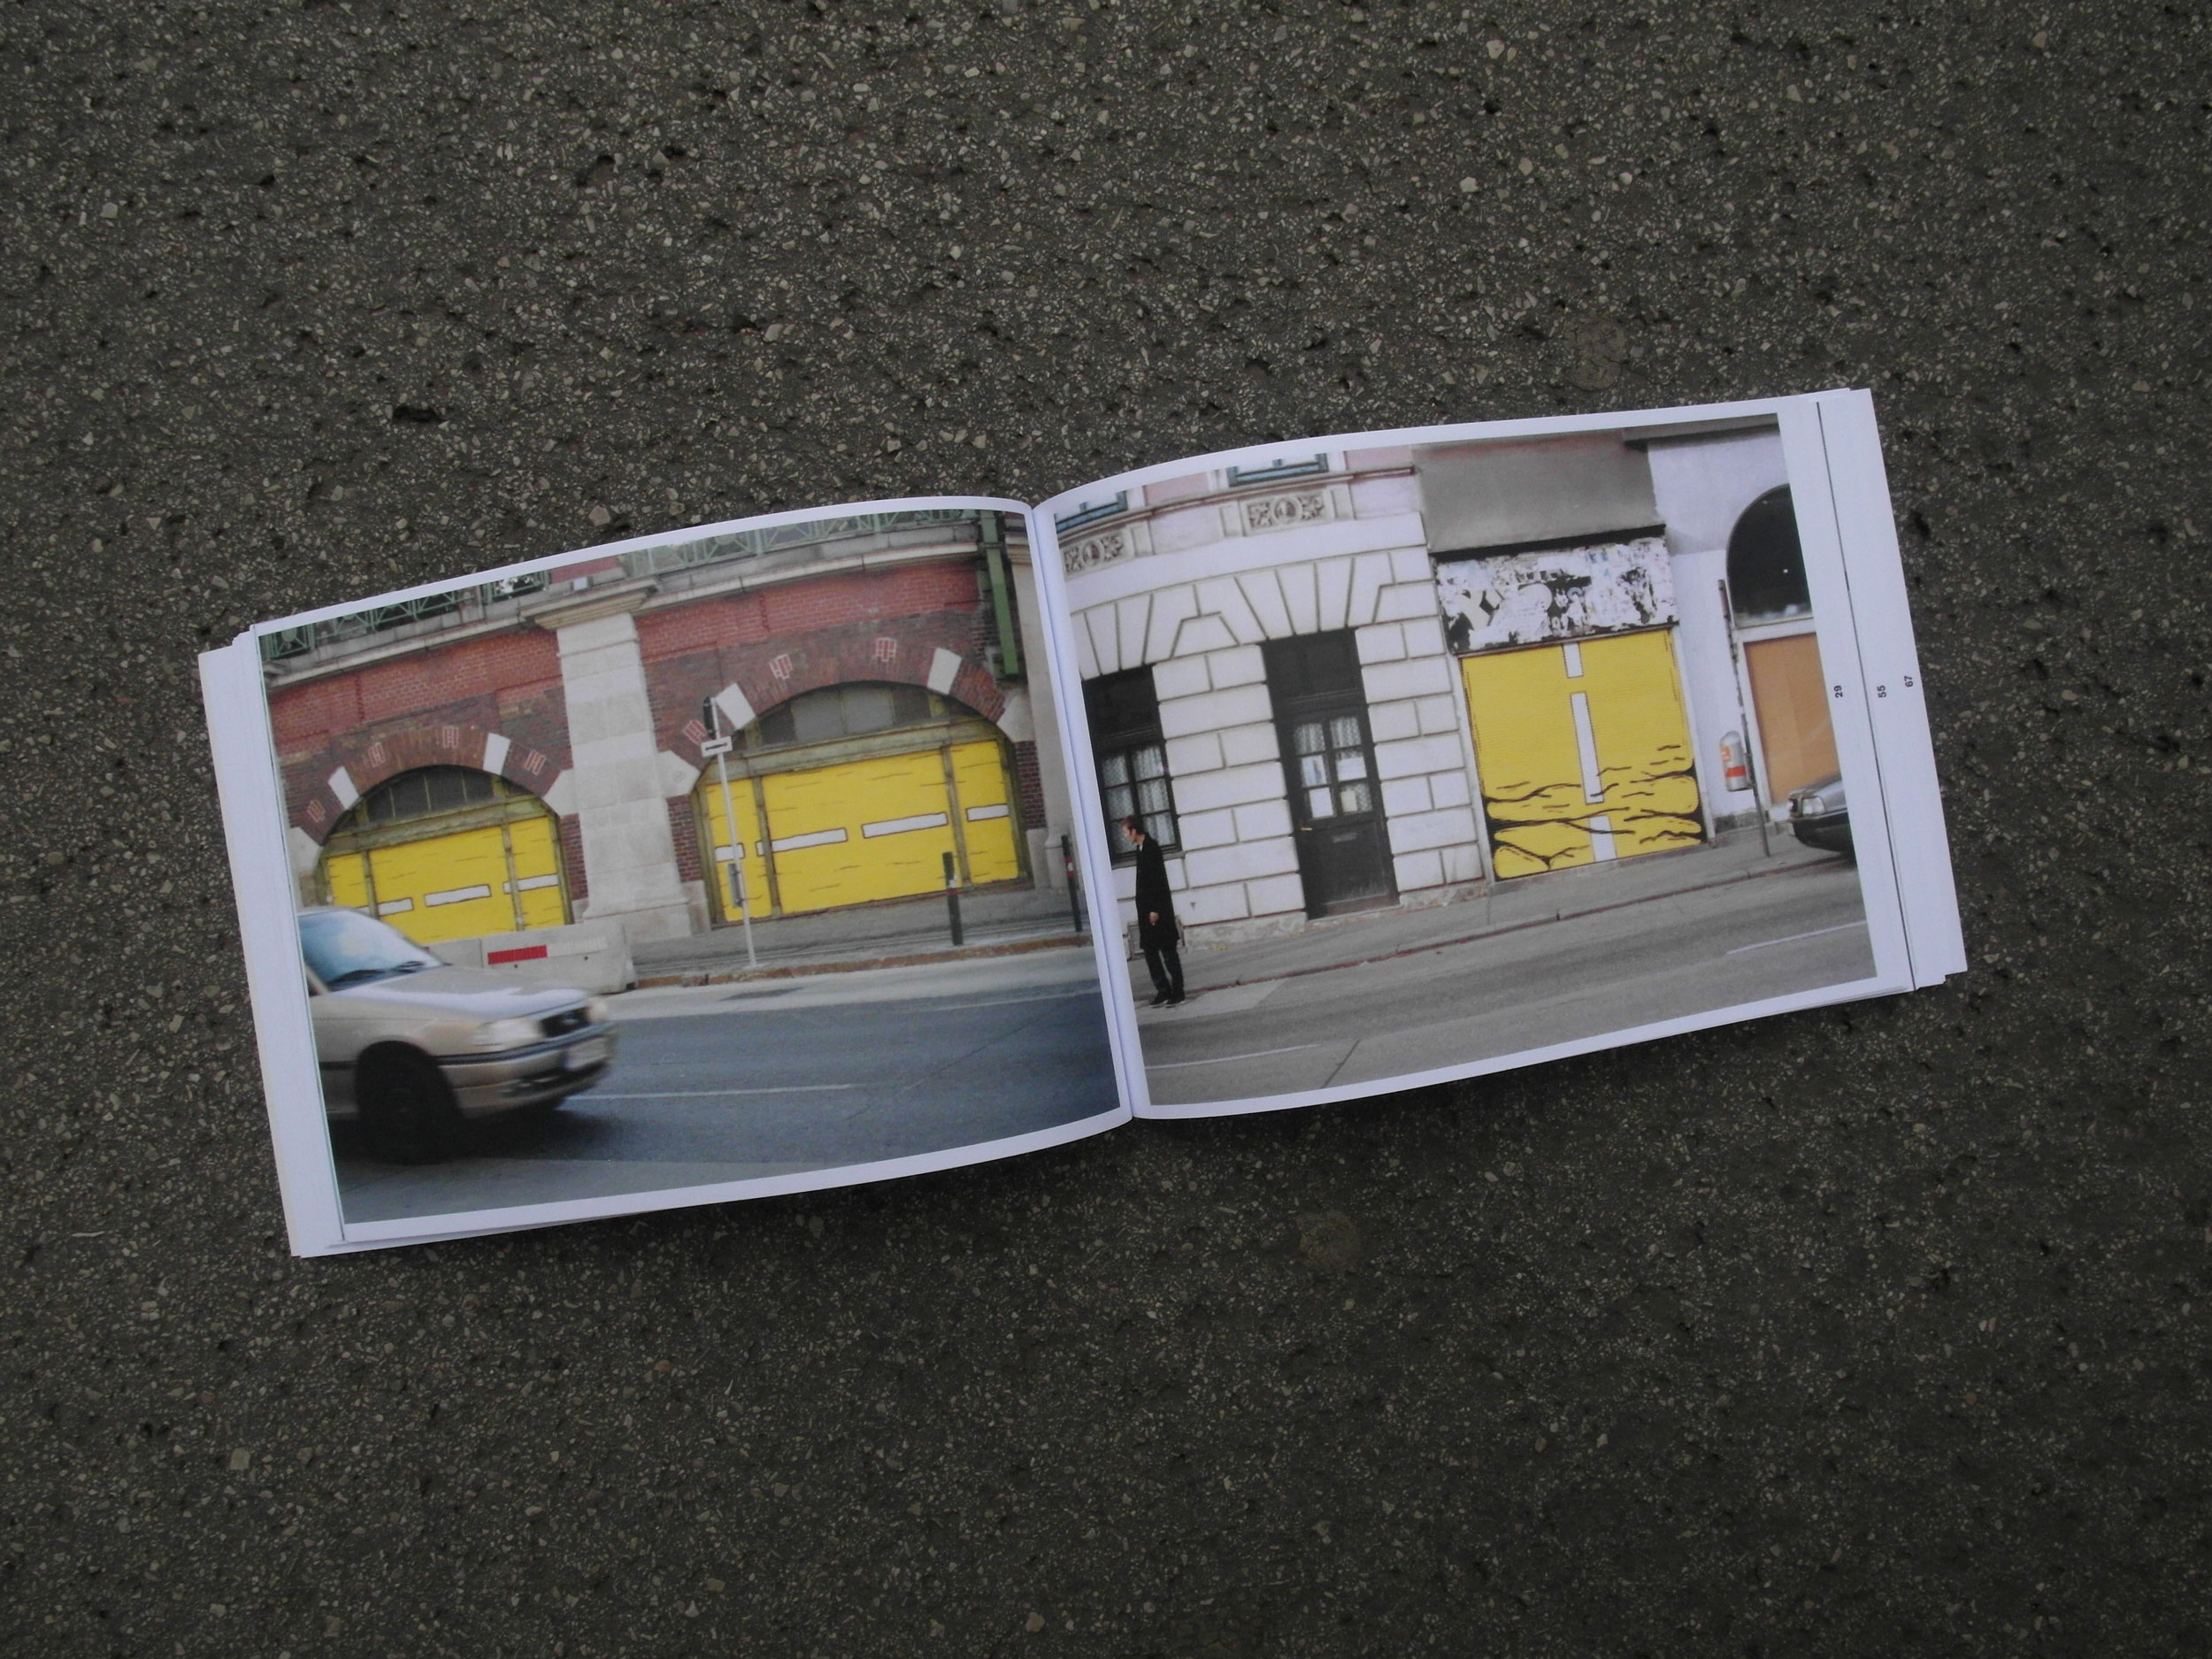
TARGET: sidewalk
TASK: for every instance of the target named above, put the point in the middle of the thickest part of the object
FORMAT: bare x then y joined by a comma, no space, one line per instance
1504,906
900,932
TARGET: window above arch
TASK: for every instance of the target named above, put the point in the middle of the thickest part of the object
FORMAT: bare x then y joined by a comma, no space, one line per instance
1766,565
430,791
850,711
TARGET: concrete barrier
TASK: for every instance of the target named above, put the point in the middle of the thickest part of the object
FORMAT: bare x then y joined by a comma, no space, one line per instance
589,956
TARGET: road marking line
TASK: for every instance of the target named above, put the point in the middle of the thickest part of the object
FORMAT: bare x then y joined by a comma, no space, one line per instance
718,1094
1817,932
1223,1059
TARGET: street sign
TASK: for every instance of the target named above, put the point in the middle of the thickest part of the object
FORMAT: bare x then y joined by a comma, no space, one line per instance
715,746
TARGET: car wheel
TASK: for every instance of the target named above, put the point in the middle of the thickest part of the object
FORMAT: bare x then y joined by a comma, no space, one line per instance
407,1108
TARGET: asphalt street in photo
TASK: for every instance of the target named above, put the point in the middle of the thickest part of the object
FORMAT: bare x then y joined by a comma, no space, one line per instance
1580,977
1878,1329
723,1084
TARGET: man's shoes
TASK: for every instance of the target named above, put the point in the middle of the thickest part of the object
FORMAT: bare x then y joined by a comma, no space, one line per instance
1175,1000
1161,998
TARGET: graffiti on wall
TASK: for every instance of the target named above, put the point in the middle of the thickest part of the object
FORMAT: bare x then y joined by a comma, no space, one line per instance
1531,598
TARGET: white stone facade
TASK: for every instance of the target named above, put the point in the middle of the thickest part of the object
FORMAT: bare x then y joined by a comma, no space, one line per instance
1192,576
620,778
1257,564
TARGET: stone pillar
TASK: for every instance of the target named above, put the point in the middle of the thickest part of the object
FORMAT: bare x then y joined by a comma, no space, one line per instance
619,781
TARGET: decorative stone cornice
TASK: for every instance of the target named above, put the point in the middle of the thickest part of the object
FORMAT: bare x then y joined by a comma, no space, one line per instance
564,610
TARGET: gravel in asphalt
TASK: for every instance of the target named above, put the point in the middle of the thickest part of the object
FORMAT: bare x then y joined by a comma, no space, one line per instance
1880,1329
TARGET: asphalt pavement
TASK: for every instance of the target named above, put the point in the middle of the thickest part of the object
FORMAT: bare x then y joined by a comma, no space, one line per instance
1523,989
1871,1330
713,1085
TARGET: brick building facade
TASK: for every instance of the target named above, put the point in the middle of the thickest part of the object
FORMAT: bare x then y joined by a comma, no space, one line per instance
431,752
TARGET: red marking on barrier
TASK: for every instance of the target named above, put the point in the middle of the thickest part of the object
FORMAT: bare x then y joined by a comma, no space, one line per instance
518,953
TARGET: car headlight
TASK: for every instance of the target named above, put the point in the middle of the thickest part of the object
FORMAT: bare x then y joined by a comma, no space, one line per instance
597,1012
1810,806
506,1034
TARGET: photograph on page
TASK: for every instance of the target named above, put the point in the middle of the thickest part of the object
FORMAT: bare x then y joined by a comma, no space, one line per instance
1417,752
714,859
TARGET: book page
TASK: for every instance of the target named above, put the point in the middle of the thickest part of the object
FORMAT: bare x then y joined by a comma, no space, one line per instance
1411,756
695,867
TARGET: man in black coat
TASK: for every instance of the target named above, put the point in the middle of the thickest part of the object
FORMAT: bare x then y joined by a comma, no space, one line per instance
1157,934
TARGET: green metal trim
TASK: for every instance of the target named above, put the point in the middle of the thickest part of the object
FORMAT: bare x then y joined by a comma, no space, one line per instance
1010,645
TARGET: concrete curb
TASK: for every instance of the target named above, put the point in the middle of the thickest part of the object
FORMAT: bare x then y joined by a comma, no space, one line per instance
858,965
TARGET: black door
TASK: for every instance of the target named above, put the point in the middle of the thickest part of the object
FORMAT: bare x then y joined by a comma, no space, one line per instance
1329,766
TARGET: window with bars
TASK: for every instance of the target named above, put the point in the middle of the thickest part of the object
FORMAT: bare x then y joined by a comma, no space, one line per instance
1124,712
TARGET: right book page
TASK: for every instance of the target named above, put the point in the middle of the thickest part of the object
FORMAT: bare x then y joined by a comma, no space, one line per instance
1404,756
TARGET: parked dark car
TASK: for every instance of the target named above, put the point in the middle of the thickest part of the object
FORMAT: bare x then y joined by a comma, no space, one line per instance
1820,817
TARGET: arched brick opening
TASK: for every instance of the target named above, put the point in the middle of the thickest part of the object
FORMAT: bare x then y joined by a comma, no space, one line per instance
370,758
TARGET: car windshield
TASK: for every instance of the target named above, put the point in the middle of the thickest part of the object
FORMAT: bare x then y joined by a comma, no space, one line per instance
346,947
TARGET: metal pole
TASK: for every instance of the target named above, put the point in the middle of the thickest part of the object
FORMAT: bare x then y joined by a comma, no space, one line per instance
1075,891
952,899
1743,720
737,838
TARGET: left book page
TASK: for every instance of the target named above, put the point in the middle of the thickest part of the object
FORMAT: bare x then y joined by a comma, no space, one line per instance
701,866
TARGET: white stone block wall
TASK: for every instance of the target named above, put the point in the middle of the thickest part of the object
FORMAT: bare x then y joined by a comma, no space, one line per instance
1207,592
619,782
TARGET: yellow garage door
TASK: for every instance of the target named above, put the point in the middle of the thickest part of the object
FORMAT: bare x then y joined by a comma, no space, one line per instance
869,829
986,811
1584,752
457,886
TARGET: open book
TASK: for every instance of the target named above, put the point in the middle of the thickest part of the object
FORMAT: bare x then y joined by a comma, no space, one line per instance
837,845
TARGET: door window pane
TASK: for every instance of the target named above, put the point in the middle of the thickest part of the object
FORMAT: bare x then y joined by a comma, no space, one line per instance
1352,763
1308,738
1318,804
1344,732
1354,798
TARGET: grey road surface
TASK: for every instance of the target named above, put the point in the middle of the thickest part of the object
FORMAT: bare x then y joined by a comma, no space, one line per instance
723,1085
1571,979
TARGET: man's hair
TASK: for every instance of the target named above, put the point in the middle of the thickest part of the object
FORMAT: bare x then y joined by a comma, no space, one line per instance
1133,825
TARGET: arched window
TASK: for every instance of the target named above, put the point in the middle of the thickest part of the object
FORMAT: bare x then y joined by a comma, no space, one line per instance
1766,566
448,852
855,794
849,710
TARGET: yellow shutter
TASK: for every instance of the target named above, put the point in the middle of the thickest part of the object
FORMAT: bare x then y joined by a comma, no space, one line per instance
1565,785
457,886
719,841
867,829
986,810
538,872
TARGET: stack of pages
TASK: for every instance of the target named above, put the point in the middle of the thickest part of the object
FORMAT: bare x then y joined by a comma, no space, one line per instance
838,845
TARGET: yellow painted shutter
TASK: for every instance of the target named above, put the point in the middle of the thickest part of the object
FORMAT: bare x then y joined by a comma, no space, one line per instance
719,841
867,829
453,886
1540,757
986,810
538,869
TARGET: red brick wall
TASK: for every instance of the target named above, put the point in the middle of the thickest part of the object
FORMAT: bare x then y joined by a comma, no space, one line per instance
863,627
429,708
683,823
1031,785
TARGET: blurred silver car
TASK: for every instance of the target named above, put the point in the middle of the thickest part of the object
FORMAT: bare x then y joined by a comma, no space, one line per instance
414,1047
1819,816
